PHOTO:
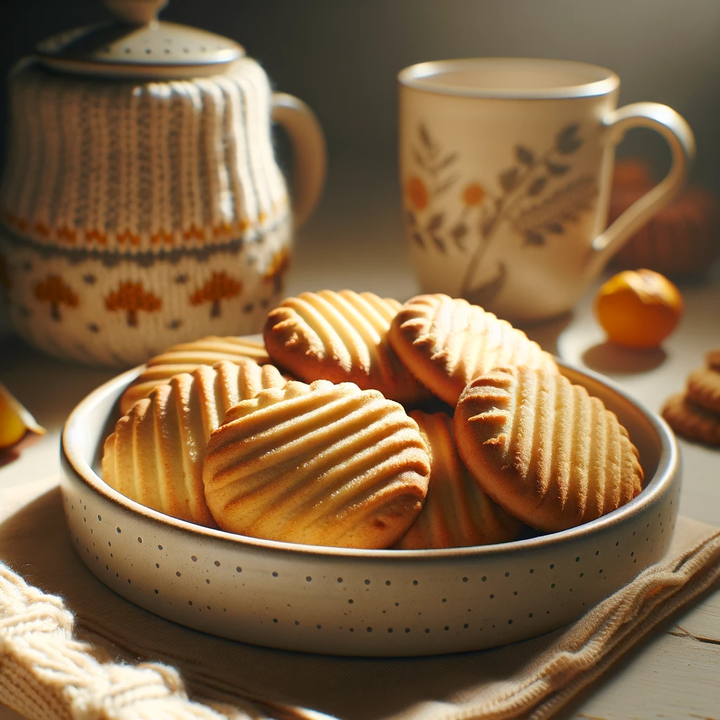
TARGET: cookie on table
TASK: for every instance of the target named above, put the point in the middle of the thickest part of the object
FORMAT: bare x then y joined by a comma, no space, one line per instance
341,337
446,342
703,388
713,359
319,464
154,456
457,513
543,449
691,420
184,358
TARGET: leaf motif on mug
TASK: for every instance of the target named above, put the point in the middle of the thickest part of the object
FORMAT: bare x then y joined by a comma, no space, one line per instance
524,155
567,142
425,136
439,244
435,222
485,293
534,238
537,186
417,238
508,179
443,187
411,219
448,160
556,168
419,159
458,234
555,227
487,226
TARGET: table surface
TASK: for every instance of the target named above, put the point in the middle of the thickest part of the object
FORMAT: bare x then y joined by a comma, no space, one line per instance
355,240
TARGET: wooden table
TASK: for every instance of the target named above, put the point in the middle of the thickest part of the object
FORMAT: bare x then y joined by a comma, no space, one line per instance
355,240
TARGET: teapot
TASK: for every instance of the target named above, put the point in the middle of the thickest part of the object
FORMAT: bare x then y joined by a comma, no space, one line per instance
141,203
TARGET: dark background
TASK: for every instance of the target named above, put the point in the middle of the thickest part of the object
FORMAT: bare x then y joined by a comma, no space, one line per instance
342,56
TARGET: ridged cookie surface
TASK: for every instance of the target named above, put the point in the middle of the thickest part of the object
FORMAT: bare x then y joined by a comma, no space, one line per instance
457,512
541,447
342,337
318,464
184,358
446,342
155,454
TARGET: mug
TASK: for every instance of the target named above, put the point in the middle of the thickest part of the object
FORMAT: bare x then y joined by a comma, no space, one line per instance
506,168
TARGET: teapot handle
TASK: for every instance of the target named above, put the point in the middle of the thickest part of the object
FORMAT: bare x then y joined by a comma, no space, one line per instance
308,144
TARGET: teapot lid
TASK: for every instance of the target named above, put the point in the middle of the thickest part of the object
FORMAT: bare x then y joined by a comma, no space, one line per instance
137,44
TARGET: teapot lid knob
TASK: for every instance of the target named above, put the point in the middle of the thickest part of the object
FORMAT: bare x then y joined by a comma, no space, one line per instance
135,12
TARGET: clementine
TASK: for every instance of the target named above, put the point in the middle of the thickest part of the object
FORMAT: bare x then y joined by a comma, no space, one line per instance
638,308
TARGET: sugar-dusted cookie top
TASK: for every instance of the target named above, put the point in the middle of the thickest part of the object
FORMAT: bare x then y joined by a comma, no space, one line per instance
155,454
184,358
545,450
320,464
446,342
342,337
457,513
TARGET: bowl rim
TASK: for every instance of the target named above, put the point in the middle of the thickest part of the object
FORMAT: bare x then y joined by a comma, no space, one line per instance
667,469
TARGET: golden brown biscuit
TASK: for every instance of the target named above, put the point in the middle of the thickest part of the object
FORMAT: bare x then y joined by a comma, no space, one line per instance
713,359
155,454
446,342
319,464
341,337
703,388
457,513
691,421
184,358
541,447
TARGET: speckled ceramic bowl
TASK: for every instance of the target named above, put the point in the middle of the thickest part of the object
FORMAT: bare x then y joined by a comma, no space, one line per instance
363,602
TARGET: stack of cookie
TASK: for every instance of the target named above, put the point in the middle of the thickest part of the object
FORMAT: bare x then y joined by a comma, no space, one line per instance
695,413
363,422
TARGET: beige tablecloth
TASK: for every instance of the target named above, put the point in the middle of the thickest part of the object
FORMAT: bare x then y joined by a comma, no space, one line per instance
71,648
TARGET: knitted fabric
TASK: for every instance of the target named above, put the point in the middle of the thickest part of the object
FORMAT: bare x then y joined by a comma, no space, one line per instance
133,167
136,215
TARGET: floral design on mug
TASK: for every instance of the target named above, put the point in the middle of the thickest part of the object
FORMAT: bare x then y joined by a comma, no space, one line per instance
526,201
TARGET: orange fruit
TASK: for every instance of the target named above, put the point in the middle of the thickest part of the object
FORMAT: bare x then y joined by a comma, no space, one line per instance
638,308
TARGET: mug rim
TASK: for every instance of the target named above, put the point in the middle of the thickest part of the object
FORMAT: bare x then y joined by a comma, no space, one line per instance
601,81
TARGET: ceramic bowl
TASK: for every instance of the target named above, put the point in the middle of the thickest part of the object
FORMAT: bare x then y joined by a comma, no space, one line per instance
363,602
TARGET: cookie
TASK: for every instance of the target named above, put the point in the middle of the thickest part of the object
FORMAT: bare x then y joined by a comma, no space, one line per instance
446,342
713,359
341,337
319,464
184,358
543,449
703,388
154,456
691,421
456,512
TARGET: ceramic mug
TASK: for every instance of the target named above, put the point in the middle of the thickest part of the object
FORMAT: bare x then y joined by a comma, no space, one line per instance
506,166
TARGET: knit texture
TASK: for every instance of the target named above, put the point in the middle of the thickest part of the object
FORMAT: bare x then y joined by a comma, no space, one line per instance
135,166
136,215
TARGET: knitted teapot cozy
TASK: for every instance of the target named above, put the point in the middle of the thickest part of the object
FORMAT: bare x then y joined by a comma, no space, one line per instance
137,214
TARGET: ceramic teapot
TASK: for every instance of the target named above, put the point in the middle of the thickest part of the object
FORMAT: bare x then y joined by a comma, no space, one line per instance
141,203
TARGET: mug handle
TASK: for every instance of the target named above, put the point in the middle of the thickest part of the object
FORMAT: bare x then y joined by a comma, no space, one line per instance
308,144
681,140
